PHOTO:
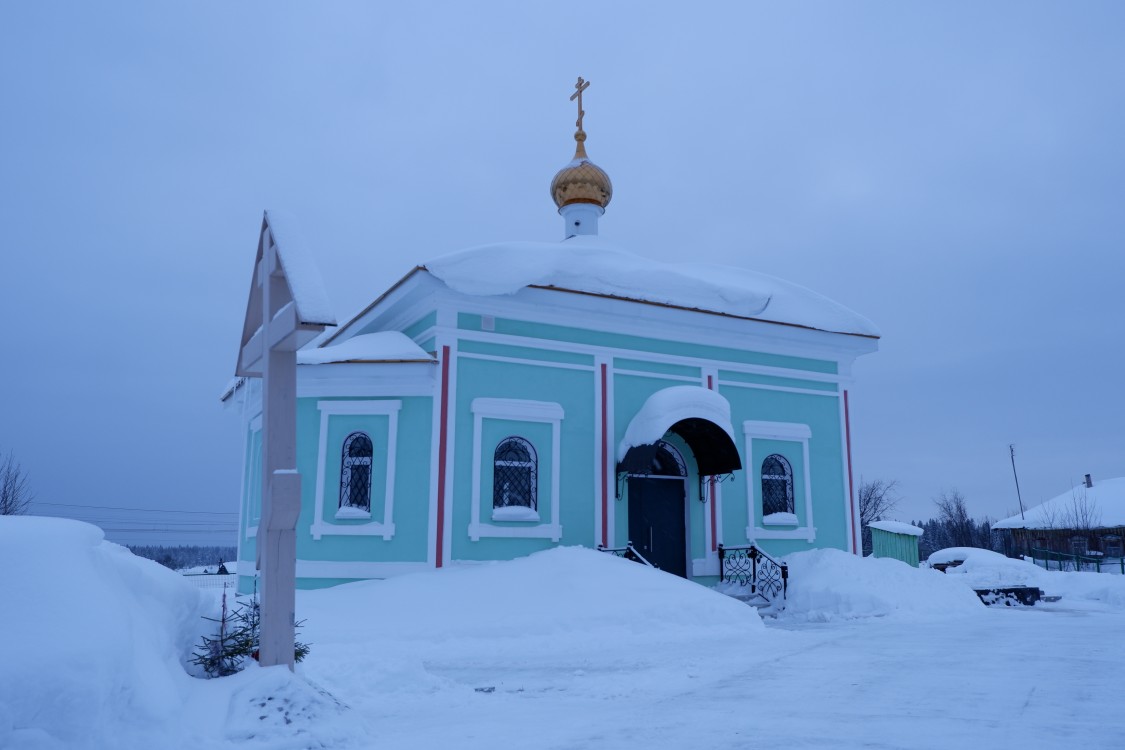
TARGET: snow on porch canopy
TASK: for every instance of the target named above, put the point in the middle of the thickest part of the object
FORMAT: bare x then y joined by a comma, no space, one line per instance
700,416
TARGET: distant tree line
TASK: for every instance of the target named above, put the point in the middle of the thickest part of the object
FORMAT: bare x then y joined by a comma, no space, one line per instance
185,556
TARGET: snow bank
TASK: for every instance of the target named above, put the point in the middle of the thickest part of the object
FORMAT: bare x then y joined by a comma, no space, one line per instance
559,593
590,264
828,584
93,636
984,569
562,612
384,346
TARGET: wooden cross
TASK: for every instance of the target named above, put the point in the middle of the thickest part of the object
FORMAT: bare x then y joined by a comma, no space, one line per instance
581,86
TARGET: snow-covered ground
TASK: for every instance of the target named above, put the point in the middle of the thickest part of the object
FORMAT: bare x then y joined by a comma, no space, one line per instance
569,648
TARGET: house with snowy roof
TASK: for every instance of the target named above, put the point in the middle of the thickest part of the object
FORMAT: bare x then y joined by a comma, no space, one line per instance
1086,520
508,398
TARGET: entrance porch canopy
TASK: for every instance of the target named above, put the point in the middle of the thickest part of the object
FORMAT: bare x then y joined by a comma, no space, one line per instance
698,415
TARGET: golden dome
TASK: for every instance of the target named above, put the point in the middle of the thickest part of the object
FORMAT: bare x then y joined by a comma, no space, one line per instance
581,181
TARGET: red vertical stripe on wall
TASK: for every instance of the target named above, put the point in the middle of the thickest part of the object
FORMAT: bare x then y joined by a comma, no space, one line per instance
443,440
851,490
605,464
711,491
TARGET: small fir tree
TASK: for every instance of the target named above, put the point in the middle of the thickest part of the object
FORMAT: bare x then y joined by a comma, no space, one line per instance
237,639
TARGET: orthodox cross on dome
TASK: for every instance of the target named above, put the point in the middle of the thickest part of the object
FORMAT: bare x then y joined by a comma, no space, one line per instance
580,86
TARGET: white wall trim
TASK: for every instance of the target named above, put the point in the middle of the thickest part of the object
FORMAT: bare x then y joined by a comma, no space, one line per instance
524,361
386,529
788,431
781,388
683,326
552,531
642,355
518,410
660,376
776,430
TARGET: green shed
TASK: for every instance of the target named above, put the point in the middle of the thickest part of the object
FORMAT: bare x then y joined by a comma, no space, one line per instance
895,539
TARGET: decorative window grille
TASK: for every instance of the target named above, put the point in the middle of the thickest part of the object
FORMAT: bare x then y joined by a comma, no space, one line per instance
515,468
777,485
355,472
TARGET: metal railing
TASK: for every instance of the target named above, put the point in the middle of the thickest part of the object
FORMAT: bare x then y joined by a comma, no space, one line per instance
629,552
212,580
1075,562
750,566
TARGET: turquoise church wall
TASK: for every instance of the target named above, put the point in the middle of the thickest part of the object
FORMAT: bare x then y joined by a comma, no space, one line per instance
522,381
559,364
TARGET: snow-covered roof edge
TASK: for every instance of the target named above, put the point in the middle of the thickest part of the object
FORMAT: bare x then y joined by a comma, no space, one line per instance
897,527
383,346
590,265
302,273
1103,506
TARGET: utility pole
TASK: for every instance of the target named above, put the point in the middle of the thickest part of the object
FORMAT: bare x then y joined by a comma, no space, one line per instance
1012,448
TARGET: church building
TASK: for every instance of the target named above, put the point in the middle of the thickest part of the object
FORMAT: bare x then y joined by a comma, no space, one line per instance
508,398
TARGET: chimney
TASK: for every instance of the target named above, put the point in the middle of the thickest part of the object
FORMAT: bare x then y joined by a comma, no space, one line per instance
1089,482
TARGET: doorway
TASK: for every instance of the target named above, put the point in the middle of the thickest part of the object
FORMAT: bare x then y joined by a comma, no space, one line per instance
658,510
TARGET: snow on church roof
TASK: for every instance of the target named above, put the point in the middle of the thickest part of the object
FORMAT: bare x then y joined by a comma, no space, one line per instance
590,264
384,346
1105,503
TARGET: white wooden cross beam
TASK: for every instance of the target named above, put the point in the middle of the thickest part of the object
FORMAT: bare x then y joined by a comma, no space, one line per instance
286,309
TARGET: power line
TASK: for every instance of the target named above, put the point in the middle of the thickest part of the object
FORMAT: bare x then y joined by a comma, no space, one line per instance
99,520
143,510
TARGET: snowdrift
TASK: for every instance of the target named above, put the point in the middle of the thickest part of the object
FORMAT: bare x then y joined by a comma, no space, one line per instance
94,637
986,569
560,612
829,584
555,595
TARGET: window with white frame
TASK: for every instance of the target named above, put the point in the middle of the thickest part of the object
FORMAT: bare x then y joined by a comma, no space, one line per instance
509,455
355,472
515,469
777,485
780,450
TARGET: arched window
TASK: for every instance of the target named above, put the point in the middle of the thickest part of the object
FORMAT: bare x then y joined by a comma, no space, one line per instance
355,472
777,485
514,471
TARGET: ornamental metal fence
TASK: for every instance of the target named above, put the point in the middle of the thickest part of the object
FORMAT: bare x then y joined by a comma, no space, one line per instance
750,566
1074,562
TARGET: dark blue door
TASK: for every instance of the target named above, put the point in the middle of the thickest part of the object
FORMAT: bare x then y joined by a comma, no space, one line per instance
656,522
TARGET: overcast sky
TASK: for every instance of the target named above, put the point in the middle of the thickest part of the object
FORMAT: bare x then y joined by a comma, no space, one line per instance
953,171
